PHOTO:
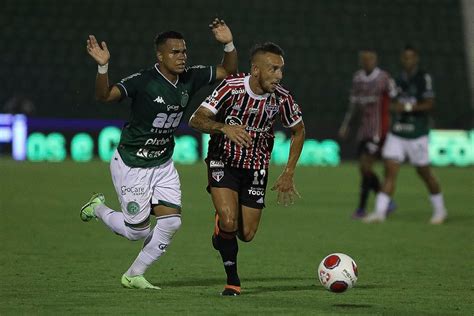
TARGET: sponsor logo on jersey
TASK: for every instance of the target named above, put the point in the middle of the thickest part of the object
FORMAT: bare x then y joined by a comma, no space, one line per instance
132,190
157,141
159,99
218,175
237,91
253,110
146,153
233,120
216,164
257,129
256,191
271,109
171,107
401,127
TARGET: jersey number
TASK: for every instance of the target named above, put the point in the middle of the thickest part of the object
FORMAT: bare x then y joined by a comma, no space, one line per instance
164,120
255,177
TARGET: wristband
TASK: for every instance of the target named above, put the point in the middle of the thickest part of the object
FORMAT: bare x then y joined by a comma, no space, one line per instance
408,107
229,47
102,69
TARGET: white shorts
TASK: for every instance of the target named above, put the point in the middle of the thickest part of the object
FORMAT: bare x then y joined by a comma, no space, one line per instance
139,188
399,148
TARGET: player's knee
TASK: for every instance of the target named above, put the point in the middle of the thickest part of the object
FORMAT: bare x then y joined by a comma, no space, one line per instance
134,234
228,224
227,221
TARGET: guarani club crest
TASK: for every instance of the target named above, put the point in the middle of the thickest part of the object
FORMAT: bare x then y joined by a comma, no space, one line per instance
184,98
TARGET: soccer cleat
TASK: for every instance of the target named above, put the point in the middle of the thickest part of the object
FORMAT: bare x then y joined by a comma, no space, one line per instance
137,282
438,219
231,290
359,214
87,211
374,218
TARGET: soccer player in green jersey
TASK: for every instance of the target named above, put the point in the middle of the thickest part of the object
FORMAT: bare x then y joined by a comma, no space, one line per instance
408,137
143,172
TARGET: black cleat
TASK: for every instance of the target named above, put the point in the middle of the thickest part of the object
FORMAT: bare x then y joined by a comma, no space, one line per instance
231,290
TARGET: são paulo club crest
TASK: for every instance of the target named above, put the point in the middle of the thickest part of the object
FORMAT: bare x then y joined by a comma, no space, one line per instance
271,109
218,175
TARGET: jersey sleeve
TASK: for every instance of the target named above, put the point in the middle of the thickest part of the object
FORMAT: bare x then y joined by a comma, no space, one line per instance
427,87
290,112
202,75
128,86
218,97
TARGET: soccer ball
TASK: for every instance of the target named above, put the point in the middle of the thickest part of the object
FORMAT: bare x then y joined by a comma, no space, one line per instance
337,272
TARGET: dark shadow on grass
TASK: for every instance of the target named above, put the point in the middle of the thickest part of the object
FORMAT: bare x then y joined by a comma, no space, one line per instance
280,288
351,306
221,281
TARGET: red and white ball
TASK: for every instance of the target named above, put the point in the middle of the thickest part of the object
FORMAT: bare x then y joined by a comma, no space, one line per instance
337,272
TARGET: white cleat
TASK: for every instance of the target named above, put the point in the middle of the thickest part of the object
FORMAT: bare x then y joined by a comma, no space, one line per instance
374,218
438,219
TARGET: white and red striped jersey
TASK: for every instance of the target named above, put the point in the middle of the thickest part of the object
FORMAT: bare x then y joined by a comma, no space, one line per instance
233,102
372,93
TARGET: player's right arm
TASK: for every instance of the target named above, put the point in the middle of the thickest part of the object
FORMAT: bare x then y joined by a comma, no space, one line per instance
100,53
204,120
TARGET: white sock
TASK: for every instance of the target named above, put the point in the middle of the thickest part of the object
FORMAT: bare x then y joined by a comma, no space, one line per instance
113,220
382,200
155,244
437,201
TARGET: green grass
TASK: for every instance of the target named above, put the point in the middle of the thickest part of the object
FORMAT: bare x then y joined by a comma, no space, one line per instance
52,263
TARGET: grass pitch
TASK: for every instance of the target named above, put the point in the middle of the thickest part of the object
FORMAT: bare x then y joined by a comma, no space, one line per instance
52,263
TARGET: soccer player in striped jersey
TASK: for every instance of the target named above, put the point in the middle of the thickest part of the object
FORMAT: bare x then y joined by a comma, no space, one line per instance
239,115
143,173
370,95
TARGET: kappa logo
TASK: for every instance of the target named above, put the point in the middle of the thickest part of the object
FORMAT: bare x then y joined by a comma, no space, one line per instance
159,99
216,164
218,175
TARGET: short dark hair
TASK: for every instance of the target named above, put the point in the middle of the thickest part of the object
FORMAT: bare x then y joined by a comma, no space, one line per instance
410,47
267,47
163,36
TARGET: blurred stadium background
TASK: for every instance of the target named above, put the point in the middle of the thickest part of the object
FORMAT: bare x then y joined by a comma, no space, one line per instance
46,71
53,263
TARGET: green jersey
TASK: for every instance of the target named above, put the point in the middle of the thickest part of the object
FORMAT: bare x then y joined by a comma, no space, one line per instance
412,89
157,108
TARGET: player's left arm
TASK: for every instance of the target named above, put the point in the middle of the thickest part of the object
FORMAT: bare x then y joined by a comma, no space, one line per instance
229,62
285,184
